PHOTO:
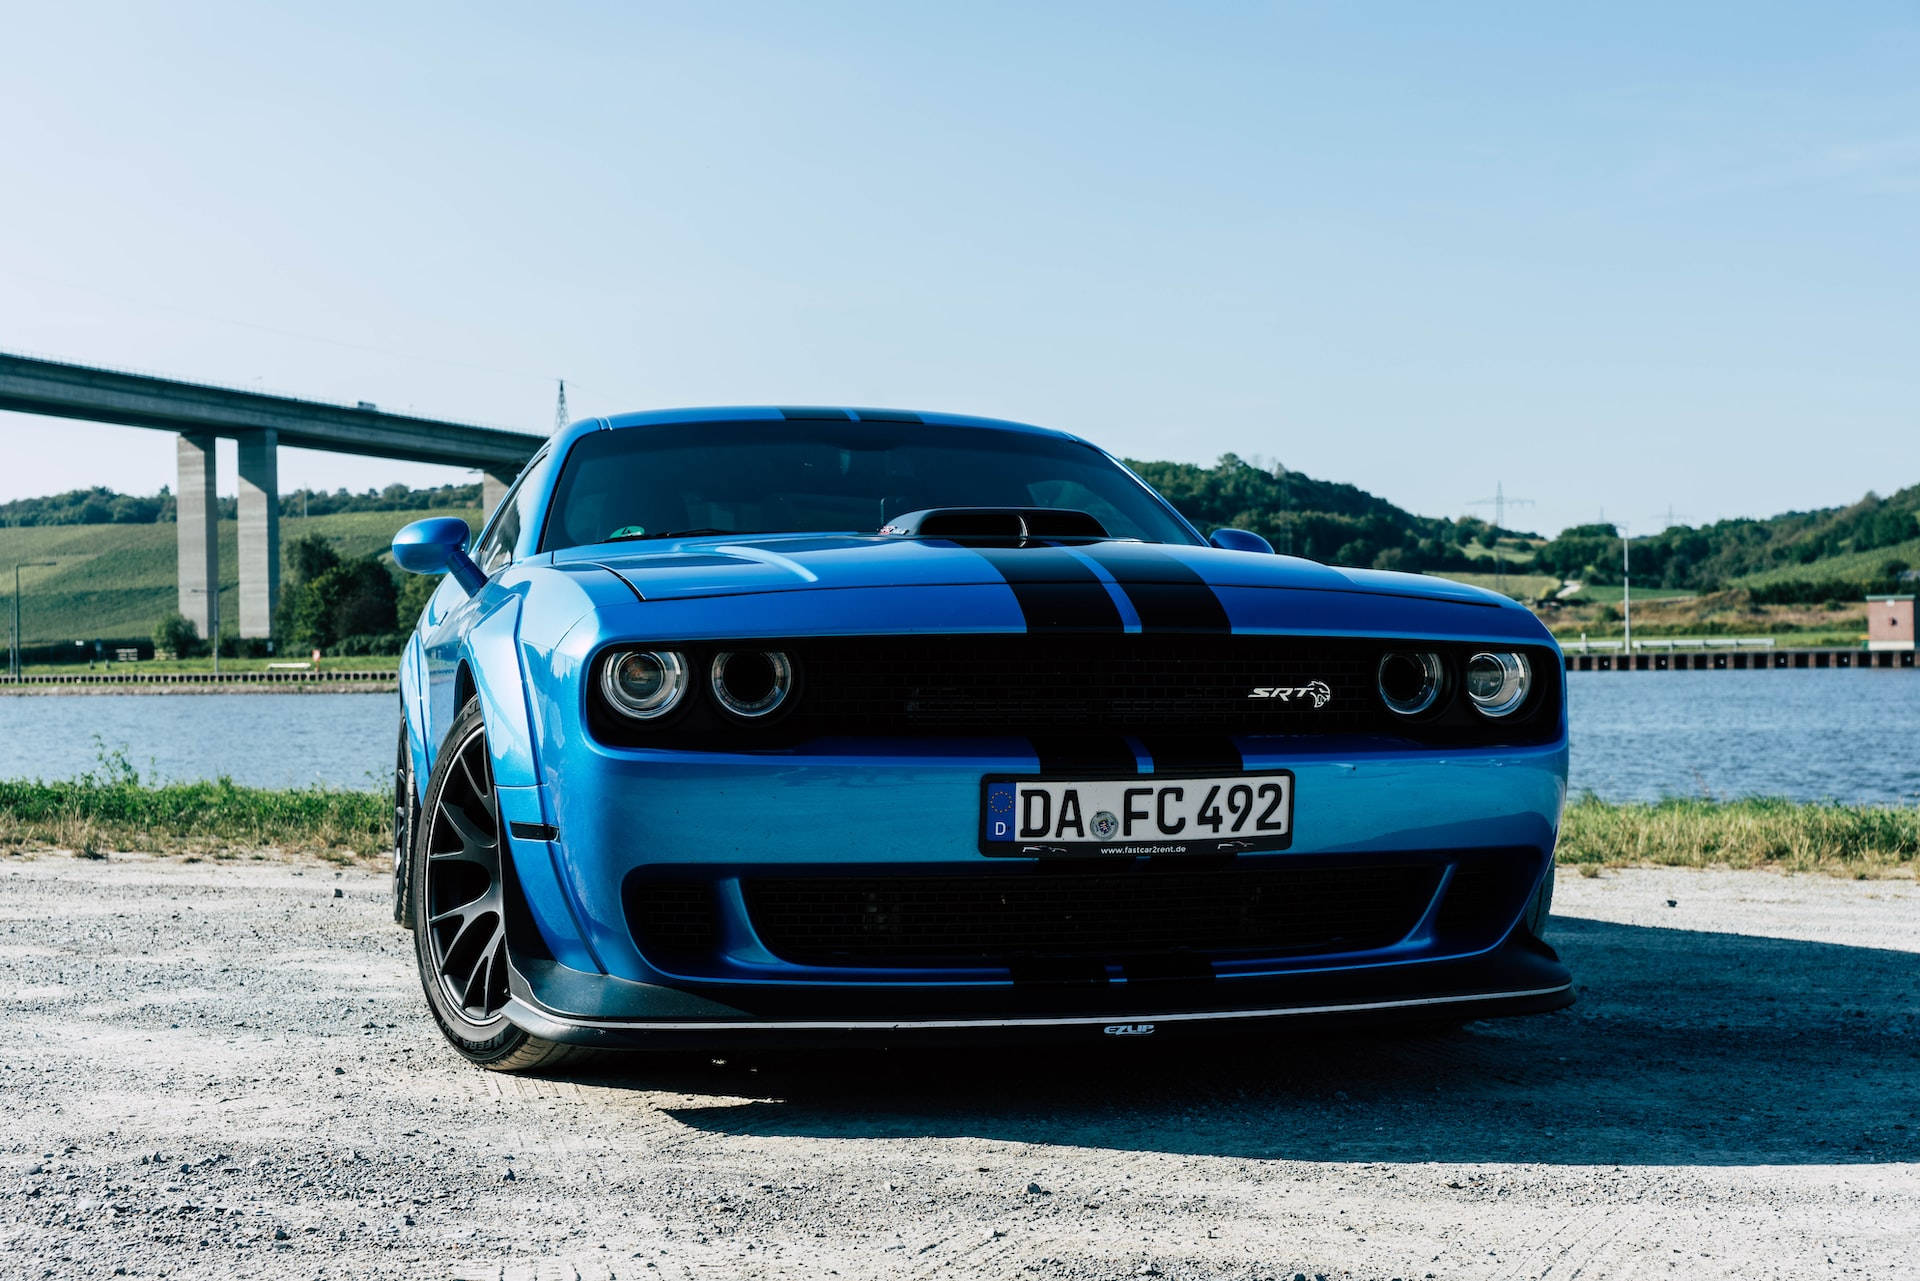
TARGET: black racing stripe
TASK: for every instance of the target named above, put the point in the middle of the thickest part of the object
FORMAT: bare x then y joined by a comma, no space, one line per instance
1057,591
888,416
791,412
1192,753
1107,755
1168,596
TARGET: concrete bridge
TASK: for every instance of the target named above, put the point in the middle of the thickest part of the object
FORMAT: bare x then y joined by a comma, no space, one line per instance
260,423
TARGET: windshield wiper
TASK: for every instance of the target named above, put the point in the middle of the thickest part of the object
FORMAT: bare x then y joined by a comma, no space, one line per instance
676,533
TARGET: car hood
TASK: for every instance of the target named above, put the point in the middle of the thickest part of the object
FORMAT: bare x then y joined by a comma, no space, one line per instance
725,566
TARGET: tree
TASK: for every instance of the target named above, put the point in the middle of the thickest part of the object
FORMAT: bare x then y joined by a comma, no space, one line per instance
307,557
301,617
176,634
360,595
415,591
351,598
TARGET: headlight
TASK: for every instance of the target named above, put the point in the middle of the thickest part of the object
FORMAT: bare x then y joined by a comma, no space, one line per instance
644,684
752,683
1497,684
1410,683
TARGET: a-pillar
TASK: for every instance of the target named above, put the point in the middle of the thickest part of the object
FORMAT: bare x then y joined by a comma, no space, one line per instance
493,487
259,532
195,513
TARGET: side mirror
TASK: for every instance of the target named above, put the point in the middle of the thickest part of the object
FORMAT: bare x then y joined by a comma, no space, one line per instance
438,546
1238,540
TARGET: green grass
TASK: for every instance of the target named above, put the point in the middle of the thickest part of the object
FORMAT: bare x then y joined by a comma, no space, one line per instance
1601,595
112,811
1857,567
369,663
95,816
1518,586
1502,552
1811,639
118,580
1840,840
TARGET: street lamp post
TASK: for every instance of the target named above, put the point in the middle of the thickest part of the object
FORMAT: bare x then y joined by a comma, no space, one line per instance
13,649
214,611
1626,589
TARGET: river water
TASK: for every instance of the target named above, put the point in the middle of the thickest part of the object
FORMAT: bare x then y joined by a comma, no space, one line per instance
1839,734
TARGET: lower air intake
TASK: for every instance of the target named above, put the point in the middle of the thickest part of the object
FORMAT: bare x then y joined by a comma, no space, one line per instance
1118,915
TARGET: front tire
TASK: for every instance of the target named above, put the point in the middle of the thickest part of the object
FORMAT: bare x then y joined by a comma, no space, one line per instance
406,821
457,901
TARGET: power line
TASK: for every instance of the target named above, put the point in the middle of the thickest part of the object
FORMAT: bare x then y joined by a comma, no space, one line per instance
1499,503
1673,518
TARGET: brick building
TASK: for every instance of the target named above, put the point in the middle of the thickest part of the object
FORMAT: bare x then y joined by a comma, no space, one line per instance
1890,622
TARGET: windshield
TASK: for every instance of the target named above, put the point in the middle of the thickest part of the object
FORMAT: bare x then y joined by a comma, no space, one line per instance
851,477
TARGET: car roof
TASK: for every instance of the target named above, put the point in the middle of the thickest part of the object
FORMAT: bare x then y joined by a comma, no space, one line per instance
796,414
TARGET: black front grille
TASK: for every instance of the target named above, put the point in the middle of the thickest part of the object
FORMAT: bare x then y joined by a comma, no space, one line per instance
1018,684
1025,684
1022,684
1117,915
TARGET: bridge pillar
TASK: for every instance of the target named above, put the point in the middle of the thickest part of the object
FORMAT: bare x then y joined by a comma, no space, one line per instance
259,531
195,513
493,487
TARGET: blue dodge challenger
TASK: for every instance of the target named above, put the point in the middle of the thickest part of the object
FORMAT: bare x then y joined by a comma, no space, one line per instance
817,724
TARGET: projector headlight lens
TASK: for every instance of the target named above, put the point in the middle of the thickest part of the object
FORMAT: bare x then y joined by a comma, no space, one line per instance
644,684
1410,683
1498,683
752,683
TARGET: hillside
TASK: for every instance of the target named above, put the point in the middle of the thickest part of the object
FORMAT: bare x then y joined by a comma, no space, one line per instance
1325,520
114,581
101,506
114,570
1836,553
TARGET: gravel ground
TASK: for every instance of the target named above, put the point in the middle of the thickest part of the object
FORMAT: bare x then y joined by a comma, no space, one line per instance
226,1070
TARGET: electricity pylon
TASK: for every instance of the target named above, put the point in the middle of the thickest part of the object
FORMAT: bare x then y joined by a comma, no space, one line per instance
560,407
1499,503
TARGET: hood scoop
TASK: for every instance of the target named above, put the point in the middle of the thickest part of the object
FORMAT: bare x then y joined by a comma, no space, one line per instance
996,523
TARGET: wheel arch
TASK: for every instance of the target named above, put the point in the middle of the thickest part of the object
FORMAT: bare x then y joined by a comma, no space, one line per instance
462,684
489,669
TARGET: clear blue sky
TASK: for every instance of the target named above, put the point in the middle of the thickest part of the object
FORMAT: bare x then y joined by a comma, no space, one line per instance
1617,256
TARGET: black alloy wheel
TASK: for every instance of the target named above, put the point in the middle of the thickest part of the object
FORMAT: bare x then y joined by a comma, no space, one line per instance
458,905
463,912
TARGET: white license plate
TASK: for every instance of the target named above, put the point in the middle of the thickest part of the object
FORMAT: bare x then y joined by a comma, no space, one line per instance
1133,817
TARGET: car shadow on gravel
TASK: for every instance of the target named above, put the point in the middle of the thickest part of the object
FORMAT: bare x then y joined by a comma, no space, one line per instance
1685,1048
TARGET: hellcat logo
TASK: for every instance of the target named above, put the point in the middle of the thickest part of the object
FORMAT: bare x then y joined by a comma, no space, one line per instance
1317,691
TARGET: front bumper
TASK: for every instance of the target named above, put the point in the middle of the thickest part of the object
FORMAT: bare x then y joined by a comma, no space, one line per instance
1522,976
608,819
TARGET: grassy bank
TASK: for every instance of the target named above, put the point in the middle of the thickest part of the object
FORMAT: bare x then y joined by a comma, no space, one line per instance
95,816
117,580
113,810
1841,840
200,666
